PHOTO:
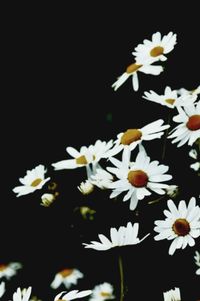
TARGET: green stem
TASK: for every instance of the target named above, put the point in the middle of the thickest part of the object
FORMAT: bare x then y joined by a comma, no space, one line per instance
121,278
156,200
166,134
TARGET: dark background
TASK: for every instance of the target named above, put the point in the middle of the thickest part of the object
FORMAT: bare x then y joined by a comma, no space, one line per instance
60,63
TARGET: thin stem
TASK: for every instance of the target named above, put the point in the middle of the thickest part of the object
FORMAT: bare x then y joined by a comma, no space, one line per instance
121,278
166,134
156,200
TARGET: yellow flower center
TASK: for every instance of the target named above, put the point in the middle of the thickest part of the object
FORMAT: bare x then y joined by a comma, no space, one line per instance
105,294
3,267
132,68
81,160
171,101
181,227
130,136
138,178
193,123
156,51
36,182
66,272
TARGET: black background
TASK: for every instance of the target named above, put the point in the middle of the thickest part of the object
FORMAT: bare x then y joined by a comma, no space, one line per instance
60,63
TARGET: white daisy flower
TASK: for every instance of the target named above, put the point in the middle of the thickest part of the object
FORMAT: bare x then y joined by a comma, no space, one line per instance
86,156
132,71
172,190
124,236
170,98
2,288
155,50
102,292
22,295
172,295
75,294
197,261
133,137
9,270
101,178
195,166
189,127
138,178
33,180
86,187
68,277
193,153
184,91
181,225
47,199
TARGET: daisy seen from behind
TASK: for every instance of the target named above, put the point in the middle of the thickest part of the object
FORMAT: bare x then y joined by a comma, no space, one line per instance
197,261
34,180
102,292
75,294
137,179
156,49
181,225
133,137
68,277
188,129
172,295
9,270
170,98
22,295
124,236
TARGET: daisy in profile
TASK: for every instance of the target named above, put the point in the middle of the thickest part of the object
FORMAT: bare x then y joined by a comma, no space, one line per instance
156,49
9,270
22,295
133,137
124,236
102,292
170,98
75,294
34,179
68,277
181,225
184,91
86,156
132,71
188,129
86,187
2,288
138,178
197,261
172,295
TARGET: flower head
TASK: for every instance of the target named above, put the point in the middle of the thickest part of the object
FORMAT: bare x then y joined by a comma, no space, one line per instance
172,295
75,294
101,178
22,295
197,261
122,237
67,277
9,270
170,98
181,225
189,128
184,91
137,178
86,187
102,292
34,179
155,50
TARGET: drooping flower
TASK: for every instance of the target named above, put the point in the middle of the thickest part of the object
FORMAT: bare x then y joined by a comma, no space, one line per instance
137,178
189,128
197,261
102,292
9,270
75,294
68,277
124,236
86,187
181,225
34,179
22,294
172,295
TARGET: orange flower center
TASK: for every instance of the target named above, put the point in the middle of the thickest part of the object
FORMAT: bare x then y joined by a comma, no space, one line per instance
66,272
130,136
181,227
132,68
36,182
3,267
137,178
156,51
193,123
81,160
171,101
